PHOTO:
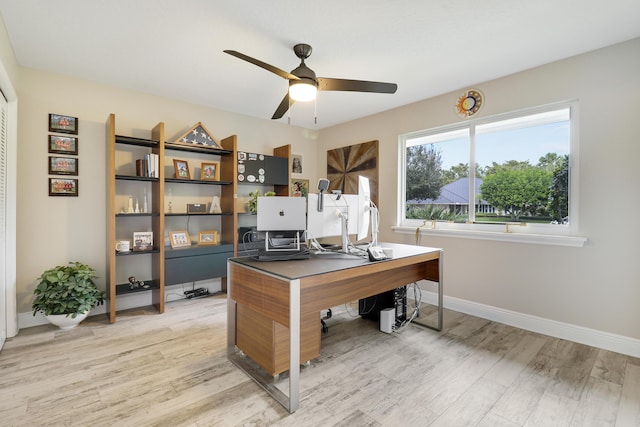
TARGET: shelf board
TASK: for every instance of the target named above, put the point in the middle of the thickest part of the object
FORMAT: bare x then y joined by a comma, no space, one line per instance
196,181
129,140
124,214
197,214
196,149
124,288
152,251
136,178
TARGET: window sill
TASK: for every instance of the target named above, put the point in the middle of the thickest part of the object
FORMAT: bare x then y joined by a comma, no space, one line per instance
500,236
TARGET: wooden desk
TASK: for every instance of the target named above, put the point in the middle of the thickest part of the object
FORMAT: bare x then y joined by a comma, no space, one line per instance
274,307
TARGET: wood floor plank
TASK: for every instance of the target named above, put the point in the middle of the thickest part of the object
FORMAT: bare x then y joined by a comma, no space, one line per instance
171,370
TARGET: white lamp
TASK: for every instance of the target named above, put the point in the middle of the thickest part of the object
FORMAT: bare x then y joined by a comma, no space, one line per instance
303,91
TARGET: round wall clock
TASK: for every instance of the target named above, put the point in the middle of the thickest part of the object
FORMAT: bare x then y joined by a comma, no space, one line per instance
469,103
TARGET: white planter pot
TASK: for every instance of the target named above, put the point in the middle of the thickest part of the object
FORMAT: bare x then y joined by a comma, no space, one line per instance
65,322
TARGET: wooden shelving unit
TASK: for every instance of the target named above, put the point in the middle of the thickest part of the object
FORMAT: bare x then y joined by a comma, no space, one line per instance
169,266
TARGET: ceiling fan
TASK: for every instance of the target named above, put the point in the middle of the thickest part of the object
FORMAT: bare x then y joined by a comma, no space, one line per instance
303,83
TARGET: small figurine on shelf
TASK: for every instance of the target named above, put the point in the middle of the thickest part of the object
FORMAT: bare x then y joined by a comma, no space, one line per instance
137,207
135,283
145,204
130,208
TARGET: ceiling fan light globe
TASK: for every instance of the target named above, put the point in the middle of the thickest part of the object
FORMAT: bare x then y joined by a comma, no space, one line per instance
302,92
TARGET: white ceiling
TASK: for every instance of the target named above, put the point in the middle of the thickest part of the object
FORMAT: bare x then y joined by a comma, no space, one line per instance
174,48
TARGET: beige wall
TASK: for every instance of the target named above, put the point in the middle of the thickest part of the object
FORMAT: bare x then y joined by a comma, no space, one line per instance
54,230
597,286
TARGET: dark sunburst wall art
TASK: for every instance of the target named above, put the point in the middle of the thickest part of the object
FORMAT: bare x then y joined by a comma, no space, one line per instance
345,164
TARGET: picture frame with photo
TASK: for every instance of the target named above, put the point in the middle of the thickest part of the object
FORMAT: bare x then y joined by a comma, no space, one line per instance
296,163
142,241
63,165
179,239
181,169
63,187
63,124
63,144
210,171
208,237
299,187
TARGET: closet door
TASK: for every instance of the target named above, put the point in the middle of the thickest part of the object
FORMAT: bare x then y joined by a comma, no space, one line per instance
3,219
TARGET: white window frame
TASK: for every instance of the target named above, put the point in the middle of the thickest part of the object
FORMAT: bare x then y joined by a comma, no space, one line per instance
547,234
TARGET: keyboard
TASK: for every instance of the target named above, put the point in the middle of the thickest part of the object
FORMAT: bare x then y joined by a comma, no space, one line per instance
281,255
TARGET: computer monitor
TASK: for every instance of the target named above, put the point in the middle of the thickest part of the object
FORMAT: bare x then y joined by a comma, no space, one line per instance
364,207
339,210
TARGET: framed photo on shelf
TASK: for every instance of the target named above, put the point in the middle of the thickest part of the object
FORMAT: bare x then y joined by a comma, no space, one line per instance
142,240
210,171
179,239
63,165
63,124
210,237
181,169
299,187
63,144
63,187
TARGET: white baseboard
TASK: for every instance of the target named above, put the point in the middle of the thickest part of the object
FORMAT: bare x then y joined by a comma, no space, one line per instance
125,302
579,334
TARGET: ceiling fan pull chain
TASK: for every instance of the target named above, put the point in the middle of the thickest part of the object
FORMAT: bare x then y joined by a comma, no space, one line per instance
315,110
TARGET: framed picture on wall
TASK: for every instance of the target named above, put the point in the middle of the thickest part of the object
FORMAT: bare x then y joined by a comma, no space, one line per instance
63,165
63,187
63,144
296,163
63,124
299,187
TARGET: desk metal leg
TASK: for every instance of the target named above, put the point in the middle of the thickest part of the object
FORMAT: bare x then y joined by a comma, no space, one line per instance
440,299
292,401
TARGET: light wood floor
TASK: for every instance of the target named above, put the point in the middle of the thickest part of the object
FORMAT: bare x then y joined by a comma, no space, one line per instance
171,370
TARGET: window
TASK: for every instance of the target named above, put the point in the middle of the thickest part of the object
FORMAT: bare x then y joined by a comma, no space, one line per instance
513,169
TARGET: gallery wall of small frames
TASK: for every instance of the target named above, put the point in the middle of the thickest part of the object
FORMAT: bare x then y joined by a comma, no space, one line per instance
63,159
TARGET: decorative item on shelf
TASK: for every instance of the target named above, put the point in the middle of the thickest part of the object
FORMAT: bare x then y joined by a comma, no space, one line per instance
214,207
197,208
200,136
123,246
63,144
209,237
179,239
145,204
63,187
135,283
66,294
253,201
63,165
130,206
142,240
181,169
63,124
210,171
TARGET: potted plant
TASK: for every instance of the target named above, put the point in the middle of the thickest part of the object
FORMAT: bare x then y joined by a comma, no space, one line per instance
66,294
253,201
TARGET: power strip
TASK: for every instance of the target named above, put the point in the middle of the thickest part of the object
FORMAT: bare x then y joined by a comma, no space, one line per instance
197,293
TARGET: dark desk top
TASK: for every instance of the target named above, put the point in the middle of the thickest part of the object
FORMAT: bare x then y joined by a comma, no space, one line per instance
327,262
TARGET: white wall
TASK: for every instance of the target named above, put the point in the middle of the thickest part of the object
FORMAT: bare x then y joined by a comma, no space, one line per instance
54,230
596,286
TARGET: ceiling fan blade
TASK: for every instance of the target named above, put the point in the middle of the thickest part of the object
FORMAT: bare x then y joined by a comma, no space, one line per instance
268,67
283,107
325,83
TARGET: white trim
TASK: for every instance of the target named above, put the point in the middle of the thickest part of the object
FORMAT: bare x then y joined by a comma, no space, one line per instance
553,328
501,236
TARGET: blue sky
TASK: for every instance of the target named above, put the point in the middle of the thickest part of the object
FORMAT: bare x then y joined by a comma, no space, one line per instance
516,144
